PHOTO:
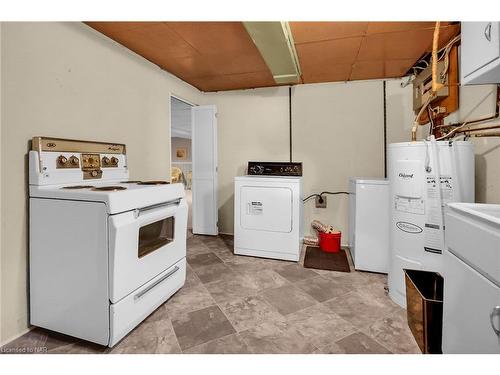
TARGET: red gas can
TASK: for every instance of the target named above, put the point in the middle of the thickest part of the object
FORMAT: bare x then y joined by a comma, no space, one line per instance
329,242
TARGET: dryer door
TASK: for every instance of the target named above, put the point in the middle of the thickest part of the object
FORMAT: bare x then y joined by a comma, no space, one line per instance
266,208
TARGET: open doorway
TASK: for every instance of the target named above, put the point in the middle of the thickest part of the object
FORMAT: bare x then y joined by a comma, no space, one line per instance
181,150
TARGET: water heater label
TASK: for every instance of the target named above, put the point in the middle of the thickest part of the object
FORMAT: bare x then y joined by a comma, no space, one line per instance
437,196
255,208
410,205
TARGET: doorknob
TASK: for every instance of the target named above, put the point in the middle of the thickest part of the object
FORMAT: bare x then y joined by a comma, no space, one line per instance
487,32
495,312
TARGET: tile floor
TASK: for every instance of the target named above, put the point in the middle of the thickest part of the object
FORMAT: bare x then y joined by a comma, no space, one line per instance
236,304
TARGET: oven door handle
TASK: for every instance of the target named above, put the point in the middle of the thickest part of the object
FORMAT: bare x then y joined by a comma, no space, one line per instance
156,283
139,211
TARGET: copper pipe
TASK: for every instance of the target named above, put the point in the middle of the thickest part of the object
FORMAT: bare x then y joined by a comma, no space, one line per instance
496,126
492,134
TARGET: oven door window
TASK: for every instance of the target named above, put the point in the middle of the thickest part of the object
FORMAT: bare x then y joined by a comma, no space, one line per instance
155,235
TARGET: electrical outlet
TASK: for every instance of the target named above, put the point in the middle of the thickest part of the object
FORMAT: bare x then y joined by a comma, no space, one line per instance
321,204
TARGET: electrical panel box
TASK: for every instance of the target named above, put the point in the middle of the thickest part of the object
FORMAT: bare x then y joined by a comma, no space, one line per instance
422,86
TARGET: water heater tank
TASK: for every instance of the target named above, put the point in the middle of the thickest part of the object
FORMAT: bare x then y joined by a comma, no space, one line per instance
423,176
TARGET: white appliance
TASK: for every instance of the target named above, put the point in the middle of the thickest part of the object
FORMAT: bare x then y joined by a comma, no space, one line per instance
268,216
480,53
369,223
471,309
423,176
105,252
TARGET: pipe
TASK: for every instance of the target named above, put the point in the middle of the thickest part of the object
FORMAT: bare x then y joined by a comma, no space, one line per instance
416,123
435,41
492,134
496,126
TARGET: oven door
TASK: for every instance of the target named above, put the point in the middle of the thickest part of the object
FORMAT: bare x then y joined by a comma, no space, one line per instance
143,243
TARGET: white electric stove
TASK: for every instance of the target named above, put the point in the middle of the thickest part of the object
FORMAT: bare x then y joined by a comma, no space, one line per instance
104,251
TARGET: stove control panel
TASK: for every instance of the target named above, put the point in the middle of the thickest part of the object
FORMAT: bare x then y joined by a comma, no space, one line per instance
266,168
58,161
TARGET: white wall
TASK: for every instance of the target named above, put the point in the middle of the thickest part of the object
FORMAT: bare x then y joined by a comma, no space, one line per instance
66,80
337,134
331,124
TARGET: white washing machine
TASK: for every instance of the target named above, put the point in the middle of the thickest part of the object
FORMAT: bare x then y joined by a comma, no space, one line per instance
369,224
268,216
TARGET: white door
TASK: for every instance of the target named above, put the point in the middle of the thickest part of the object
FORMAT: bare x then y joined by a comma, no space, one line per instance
204,145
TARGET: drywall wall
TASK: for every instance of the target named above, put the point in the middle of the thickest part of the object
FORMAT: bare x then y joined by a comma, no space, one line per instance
337,134
331,123
252,125
67,80
475,102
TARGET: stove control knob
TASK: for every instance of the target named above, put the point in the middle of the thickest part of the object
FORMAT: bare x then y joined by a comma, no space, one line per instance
74,160
105,160
94,173
62,160
114,161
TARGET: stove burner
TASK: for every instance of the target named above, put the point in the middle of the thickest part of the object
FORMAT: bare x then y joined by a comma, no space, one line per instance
109,188
78,187
130,182
152,183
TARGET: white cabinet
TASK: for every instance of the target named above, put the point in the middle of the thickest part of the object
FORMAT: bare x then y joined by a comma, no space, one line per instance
480,53
471,309
469,299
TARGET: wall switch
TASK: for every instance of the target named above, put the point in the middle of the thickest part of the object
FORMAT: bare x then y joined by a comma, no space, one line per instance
321,204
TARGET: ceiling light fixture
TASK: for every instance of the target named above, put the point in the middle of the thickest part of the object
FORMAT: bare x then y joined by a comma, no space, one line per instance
274,41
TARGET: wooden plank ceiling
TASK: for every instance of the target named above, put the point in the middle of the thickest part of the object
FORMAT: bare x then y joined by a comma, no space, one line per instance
217,56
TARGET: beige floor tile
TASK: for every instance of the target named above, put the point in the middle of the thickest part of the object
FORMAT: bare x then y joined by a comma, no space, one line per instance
213,272
276,337
355,343
202,260
188,299
232,287
393,332
248,312
320,325
359,310
201,326
231,344
288,299
295,272
265,279
149,337
322,289
191,277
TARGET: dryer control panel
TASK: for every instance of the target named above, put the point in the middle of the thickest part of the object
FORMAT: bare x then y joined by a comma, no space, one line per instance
266,168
